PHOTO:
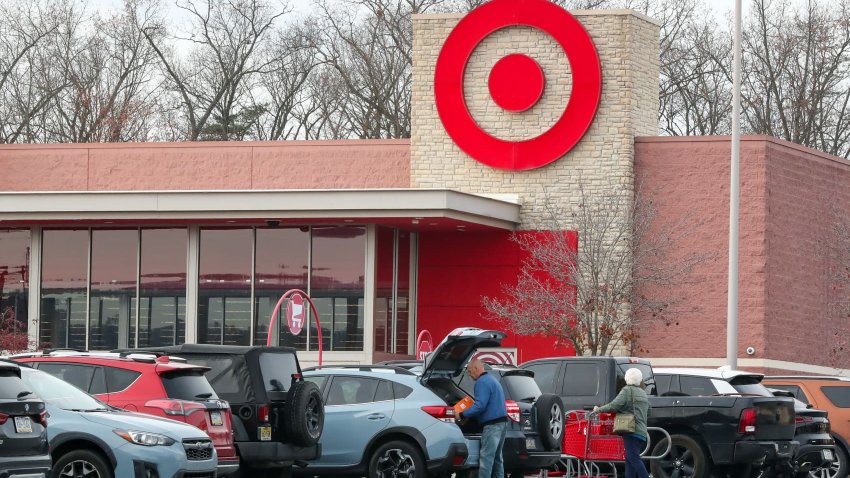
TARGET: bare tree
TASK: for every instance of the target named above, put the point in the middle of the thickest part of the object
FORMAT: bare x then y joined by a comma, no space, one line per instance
211,77
594,294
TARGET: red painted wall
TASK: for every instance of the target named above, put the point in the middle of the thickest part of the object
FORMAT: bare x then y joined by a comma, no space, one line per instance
456,269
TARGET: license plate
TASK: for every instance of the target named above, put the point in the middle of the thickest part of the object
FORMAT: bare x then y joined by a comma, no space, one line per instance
215,419
265,433
23,425
529,443
827,455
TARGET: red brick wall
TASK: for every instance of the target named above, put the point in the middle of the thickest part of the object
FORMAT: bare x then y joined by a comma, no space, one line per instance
206,166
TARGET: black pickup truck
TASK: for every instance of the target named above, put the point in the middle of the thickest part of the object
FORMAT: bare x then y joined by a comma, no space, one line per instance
734,435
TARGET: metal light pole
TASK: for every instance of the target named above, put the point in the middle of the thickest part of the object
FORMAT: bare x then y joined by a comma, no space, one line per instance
734,199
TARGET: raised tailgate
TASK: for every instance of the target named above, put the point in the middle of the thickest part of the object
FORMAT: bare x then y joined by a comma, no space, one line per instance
774,418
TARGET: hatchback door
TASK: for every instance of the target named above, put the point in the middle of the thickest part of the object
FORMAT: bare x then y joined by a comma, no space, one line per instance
21,429
201,406
452,354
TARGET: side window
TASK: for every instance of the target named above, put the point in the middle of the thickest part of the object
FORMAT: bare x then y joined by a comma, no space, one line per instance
79,376
98,382
582,379
319,380
385,391
351,390
662,384
696,386
401,391
118,379
797,391
838,395
544,375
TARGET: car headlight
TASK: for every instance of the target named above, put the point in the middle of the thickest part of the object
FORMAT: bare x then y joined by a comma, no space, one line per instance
144,438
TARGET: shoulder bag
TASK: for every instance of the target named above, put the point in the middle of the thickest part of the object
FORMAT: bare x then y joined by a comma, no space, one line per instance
624,422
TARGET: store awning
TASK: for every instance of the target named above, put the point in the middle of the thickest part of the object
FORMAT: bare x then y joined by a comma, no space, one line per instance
440,208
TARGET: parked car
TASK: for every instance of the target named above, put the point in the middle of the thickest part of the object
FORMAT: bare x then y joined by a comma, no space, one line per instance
536,422
146,383
23,421
725,435
816,452
278,416
90,439
831,394
402,427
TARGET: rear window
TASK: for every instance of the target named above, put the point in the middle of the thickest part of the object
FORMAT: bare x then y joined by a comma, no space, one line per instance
839,396
645,370
187,386
277,370
228,376
752,389
520,388
11,385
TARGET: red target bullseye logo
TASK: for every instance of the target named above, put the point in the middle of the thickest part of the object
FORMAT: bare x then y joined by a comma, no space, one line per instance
516,83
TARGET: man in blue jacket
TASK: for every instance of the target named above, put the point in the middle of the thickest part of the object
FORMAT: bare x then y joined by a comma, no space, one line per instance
489,410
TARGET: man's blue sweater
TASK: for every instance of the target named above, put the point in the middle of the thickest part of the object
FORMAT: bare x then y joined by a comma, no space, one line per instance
489,402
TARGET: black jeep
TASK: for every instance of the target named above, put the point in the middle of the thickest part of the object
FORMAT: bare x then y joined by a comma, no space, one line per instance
23,418
277,415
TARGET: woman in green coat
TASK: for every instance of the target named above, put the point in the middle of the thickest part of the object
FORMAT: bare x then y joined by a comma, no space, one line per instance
632,399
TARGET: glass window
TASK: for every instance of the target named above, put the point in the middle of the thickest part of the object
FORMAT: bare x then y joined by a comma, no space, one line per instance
281,265
119,379
402,334
11,385
544,375
401,391
385,391
337,283
79,376
14,286
351,390
98,382
384,290
662,382
162,288
839,396
63,288
190,385
696,386
582,379
59,393
319,380
520,387
113,287
224,288
277,370
797,391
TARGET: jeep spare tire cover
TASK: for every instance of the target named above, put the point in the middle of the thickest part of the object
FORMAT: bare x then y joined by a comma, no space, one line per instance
305,414
550,420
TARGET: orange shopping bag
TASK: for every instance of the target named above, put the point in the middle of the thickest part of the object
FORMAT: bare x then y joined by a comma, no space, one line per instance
463,405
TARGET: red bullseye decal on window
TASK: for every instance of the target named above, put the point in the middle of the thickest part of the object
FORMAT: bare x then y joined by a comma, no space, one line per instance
515,85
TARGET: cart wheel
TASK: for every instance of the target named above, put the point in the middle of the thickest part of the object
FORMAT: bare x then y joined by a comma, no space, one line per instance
686,459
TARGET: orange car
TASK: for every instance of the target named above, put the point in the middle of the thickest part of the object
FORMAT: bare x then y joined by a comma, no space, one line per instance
825,393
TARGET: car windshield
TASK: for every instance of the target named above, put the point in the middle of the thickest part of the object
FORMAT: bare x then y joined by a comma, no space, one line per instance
60,393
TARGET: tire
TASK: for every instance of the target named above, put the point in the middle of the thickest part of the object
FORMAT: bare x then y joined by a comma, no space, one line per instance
687,459
550,420
838,468
81,464
397,459
305,414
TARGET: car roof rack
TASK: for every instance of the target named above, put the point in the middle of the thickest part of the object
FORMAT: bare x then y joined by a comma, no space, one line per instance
362,368
136,356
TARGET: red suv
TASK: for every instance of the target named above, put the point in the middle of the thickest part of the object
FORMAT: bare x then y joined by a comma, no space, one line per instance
148,383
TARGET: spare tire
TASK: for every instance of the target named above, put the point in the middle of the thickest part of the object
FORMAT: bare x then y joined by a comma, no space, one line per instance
550,420
305,414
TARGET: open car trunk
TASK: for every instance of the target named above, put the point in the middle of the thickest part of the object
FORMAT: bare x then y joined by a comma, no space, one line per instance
448,390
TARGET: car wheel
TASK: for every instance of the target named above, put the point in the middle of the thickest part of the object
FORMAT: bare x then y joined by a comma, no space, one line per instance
836,469
550,420
397,459
81,464
686,459
305,413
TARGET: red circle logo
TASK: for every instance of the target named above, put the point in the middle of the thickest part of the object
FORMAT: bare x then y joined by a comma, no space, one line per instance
295,314
515,85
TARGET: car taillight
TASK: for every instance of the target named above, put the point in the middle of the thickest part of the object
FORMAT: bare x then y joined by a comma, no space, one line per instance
513,410
263,413
41,418
3,418
176,407
440,412
748,421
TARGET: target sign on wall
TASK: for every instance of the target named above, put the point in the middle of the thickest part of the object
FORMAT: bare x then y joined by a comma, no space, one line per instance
516,83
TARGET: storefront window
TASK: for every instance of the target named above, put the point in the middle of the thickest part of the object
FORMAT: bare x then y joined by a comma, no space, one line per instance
337,286
384,290
63,288
403,294
162,288
281,265
14,286
224,287
113,287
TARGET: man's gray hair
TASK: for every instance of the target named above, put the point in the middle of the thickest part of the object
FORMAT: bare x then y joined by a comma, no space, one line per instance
633,376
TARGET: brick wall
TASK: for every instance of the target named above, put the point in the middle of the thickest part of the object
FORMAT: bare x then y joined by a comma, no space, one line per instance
627,44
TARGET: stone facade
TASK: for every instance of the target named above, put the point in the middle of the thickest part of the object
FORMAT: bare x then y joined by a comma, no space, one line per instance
627,44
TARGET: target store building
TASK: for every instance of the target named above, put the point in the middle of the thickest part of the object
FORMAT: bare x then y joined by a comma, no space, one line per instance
141,244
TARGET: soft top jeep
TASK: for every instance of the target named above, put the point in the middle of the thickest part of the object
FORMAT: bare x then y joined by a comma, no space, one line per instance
277,415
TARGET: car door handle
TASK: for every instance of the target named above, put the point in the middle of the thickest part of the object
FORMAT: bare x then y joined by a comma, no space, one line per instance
376,416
